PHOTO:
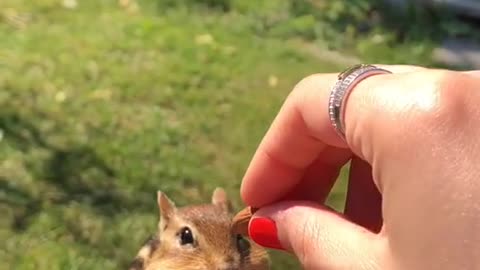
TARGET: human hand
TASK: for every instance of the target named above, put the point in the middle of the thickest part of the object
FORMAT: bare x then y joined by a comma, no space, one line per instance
413,197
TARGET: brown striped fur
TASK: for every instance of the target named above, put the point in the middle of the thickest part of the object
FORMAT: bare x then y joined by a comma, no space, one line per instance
215,246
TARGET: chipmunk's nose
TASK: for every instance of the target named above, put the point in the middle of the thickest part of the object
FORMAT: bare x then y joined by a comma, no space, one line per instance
227,267
227,263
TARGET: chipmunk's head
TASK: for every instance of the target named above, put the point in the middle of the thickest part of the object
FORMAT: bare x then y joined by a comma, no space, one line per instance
199,237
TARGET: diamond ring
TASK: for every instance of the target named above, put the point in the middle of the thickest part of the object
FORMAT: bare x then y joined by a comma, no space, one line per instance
339,93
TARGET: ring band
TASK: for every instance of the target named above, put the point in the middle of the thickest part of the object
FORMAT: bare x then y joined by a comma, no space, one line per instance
339,93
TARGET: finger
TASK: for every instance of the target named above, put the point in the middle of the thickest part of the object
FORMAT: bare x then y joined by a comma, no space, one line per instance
284,154
319,237
298,135
320,176
364,202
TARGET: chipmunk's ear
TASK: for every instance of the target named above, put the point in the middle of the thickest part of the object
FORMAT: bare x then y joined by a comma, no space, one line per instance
166,208
220,198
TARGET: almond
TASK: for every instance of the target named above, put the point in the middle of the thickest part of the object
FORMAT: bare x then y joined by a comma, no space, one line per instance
241,220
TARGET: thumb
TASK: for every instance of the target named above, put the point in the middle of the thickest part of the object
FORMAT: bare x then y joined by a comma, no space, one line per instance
320,238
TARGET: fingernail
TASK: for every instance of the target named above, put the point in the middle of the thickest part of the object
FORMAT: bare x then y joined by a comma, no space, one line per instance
263,231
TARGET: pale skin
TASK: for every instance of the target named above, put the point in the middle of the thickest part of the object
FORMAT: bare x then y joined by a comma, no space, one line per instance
414,136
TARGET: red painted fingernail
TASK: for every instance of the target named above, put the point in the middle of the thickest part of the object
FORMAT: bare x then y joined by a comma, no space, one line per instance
263,231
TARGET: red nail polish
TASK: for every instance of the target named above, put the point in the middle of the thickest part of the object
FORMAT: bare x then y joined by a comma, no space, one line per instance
263,231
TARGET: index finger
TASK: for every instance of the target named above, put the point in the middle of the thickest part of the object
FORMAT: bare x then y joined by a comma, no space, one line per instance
300,134
290,145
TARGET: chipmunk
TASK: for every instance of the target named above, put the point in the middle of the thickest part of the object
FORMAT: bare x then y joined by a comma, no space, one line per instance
199,237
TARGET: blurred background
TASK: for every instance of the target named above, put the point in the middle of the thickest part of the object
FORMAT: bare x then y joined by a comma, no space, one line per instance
104,102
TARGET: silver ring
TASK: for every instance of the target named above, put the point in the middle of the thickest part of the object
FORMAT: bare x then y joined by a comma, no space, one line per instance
345,83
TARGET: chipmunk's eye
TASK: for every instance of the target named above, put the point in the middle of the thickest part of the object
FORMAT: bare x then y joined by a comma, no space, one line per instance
186,236
242,244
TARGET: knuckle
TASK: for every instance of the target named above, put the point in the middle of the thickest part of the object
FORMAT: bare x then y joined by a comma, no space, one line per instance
306,81
314,82
300,90
442,101
305,85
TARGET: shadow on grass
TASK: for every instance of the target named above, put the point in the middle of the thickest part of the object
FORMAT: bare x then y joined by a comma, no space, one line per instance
73,174
21,202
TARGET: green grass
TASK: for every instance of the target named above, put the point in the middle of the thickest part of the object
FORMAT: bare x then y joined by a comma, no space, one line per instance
102,105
